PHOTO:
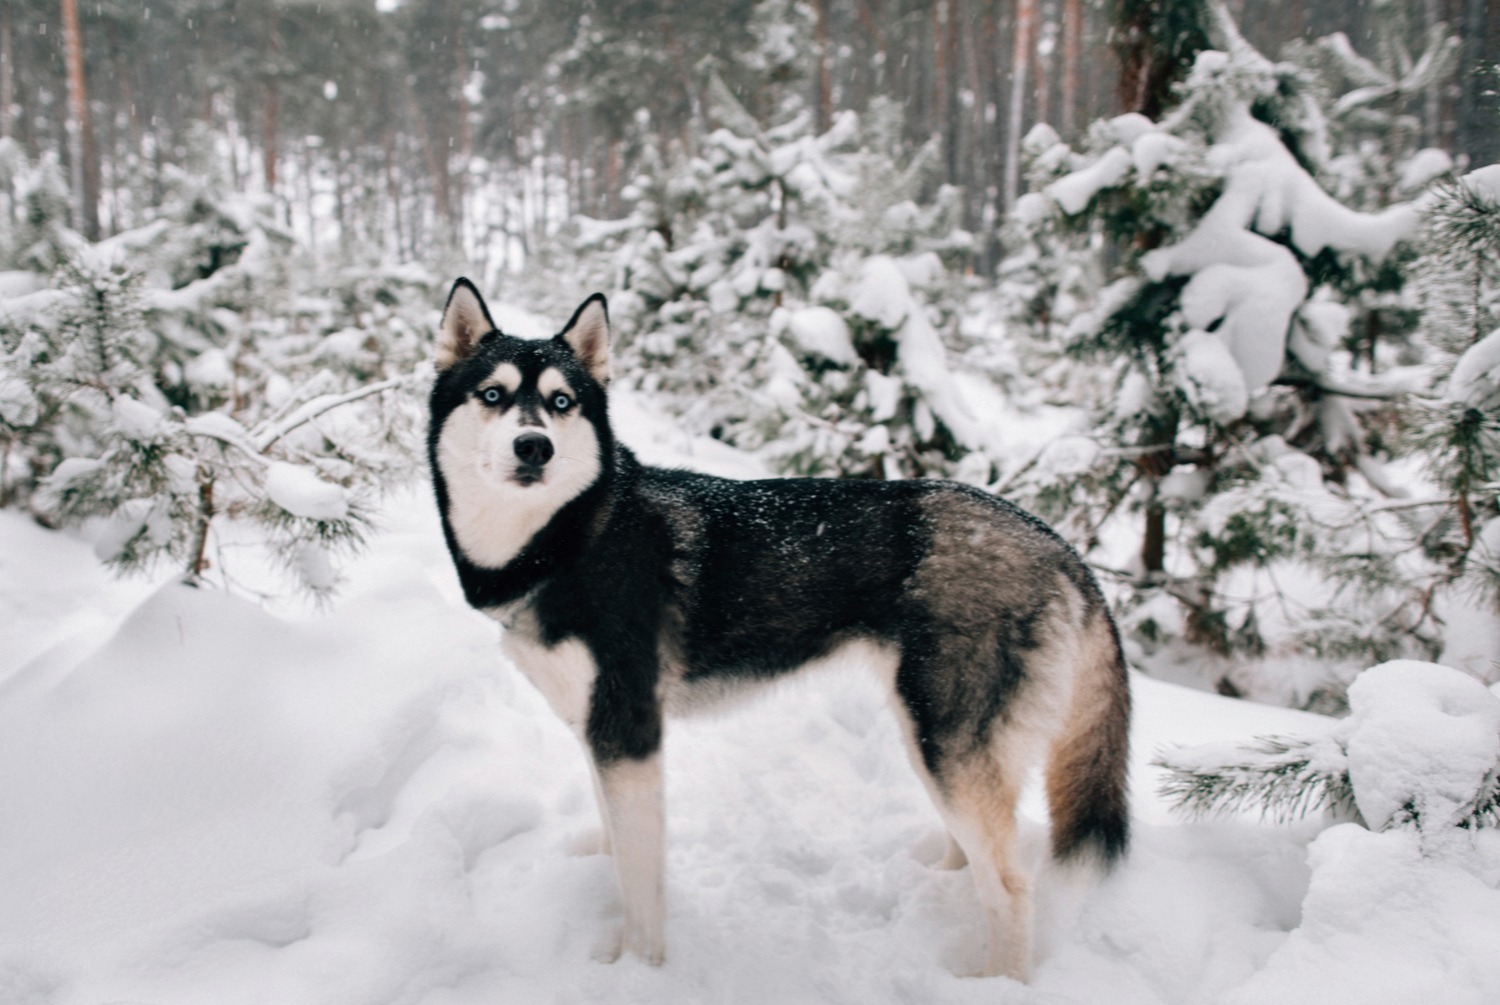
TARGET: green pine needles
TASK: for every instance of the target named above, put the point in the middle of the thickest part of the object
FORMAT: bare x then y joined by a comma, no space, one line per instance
1460,268
1420,750
1281,778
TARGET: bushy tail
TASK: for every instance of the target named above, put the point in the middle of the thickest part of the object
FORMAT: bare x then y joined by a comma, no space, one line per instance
1086,785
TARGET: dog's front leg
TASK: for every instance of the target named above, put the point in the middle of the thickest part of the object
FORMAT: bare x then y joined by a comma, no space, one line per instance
635,821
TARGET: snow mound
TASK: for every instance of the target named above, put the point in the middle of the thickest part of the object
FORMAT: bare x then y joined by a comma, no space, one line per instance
1209,377
1475,380
1075,191
1424,741
1484,182
883,295
300,492
207,802
245,808
1385,924
18,404
821,331
1422,167
136,420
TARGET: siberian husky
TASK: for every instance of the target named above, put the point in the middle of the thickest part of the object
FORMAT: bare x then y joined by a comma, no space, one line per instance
628,593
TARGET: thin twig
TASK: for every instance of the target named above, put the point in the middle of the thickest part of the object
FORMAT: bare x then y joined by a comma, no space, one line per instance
267,438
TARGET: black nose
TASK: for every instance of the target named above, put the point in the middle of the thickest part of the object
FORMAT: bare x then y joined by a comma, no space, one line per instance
533,448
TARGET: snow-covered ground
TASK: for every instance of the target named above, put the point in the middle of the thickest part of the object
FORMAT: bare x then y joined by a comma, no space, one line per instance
207,801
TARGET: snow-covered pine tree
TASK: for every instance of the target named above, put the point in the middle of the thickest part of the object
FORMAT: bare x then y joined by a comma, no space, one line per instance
1375,129
35,235
1419,750
1457,428
790,291
184,373
1237,428
1372,152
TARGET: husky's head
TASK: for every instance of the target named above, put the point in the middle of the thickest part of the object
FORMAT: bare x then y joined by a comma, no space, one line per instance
519,427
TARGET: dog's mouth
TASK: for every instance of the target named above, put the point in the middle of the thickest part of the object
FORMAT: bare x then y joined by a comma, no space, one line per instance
528,474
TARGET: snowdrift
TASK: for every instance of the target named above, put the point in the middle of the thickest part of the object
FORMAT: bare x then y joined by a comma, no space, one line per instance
209,802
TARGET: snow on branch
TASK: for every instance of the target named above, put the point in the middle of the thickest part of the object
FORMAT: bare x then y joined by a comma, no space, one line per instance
1283,778
267,437
1420,749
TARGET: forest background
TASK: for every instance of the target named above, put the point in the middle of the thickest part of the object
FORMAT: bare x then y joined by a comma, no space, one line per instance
438,124
1210,286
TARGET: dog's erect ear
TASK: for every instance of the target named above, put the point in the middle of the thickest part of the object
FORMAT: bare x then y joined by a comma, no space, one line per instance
465,321
588,336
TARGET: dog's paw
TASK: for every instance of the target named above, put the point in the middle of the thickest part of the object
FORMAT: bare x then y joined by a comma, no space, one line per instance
989,971
609,948
938,850
651,949
953,859
1002,963
594,841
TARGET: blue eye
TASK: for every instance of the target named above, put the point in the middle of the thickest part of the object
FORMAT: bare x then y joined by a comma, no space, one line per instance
490,396
562,402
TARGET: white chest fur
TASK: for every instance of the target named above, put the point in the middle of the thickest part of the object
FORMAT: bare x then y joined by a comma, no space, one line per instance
563,673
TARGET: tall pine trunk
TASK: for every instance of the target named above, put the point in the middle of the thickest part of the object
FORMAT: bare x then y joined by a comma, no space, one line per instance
7,70
271,110
1072,46
1020,67
825,79
81,131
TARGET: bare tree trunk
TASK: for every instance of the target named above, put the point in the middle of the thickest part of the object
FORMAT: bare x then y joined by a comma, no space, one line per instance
952,113
81,130
437,161
127,90
825,80
977,184
1432,101
1043,65
1154,541
1472,37
1020,63
271,109
871,23
465,136
612,179
7,71
393,188
992,98
198,560
1072,46
305,178
940,73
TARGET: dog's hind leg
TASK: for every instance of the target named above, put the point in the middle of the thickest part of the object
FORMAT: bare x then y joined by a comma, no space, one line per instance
635,828
975,792
594,841
954,858
980,805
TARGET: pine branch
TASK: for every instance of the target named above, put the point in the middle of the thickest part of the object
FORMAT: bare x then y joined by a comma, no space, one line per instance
265,438
1335,390
1288,778
1285,778
227,432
